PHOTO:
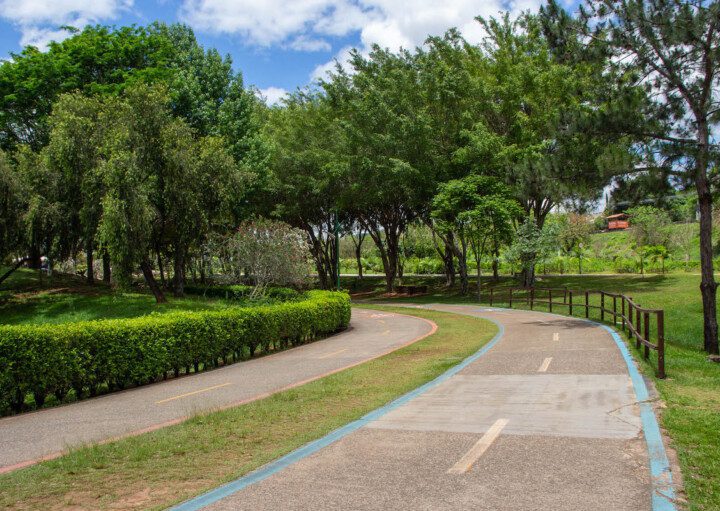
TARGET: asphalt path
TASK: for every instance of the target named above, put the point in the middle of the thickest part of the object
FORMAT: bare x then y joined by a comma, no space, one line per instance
28,438
548,418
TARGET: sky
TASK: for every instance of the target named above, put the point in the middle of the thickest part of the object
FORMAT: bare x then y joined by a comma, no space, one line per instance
277,45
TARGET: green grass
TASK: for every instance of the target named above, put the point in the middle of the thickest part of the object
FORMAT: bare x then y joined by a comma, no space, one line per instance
27,297
158,469
692,390
64,307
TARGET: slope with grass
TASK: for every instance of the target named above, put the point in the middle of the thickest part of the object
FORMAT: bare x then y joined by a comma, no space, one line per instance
28,298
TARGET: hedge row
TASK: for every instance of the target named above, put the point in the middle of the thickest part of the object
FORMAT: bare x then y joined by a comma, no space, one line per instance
240,292
94,356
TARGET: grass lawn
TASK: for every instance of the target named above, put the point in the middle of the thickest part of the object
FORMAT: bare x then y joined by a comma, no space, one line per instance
692,389
158,469
27,299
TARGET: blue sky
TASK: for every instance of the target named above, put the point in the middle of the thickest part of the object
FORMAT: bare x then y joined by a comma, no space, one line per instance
277,44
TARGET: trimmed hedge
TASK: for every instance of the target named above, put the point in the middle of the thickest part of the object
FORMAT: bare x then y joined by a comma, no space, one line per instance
94,356
240,292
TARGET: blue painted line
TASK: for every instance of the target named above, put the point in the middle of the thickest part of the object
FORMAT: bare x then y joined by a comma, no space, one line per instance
303,452
663,494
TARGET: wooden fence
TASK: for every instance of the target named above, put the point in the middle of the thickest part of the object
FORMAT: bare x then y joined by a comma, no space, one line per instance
634,319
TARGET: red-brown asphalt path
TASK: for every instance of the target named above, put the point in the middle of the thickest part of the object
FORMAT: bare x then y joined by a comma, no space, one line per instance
28,438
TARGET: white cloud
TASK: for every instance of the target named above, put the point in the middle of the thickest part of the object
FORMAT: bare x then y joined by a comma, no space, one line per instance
305,43
39,21
273,95
306,24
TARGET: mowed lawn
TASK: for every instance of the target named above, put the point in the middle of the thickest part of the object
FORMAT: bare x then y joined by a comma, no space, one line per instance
692,390
27,299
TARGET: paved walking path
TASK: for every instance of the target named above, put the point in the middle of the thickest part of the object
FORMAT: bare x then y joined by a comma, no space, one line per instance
24,439
546,419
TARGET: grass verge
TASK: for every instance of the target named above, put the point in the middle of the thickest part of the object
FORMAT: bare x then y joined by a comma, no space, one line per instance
155,470
692,390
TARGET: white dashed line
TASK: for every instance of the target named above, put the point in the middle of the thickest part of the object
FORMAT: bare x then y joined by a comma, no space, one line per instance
545,365
477,450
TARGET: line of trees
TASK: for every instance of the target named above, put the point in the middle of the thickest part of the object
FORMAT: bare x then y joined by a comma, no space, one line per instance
129,145
134,145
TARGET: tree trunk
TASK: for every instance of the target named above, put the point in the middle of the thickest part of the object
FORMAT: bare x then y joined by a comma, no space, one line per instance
708,286
106,267
447,255
358,258
528,276
35,258
496,265
461,254
14,267
161,270
151,282
479,274
179,272
89,259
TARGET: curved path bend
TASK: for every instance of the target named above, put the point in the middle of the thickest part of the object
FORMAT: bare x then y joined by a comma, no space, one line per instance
550,417
28,438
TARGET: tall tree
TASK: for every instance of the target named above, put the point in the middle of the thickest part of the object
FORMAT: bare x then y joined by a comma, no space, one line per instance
73,155
12,203
308,174
532,100
480,211
670,50
386,134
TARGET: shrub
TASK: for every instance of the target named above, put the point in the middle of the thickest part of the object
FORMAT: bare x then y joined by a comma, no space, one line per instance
90,356
240,292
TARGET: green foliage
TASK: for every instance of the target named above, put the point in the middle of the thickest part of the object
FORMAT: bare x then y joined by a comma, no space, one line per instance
11,204
240,292
480,213
532,243
86,356
98,60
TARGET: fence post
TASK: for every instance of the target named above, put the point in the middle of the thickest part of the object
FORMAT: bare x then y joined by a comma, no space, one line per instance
532,297
602,305
491,297
614,310
638,327
510,306
646,318
622,317
550,298
570,302
587,304
661,343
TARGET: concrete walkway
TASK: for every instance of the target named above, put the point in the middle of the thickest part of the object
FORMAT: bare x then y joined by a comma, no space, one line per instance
547,419
27,438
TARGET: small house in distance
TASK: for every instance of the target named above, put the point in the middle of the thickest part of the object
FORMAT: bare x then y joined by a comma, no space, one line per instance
618,222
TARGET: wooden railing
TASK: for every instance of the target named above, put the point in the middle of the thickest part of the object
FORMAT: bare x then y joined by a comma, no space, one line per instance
633,318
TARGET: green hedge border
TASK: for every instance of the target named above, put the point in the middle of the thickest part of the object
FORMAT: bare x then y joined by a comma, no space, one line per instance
241,292
93,356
